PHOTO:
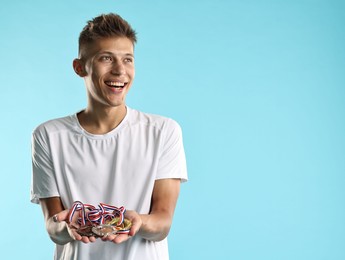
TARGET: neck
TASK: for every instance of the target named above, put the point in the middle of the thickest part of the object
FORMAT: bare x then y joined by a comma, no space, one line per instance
101,121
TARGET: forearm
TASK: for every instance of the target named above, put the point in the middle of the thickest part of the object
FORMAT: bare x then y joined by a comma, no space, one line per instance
58,231
155,226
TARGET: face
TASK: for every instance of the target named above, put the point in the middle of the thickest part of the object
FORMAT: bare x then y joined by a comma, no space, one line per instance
107,67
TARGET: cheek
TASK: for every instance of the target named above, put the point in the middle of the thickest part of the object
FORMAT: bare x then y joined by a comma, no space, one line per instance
132,73
97,76
98,71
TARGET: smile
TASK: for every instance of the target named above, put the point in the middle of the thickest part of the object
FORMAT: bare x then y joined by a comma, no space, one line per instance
115,84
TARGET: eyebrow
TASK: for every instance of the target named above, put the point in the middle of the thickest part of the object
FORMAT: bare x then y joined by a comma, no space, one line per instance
111,53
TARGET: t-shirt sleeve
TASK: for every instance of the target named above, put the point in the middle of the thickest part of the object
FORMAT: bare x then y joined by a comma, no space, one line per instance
172,162
43,177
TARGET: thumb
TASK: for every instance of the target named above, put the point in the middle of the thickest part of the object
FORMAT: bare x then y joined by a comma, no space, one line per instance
61,216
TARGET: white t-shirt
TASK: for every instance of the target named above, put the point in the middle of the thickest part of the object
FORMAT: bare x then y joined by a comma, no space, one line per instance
118,168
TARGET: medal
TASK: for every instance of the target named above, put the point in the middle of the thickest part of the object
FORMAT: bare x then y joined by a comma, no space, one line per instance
85,231
98,221
104,230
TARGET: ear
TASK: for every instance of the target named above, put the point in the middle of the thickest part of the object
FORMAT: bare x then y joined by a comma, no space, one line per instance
78,66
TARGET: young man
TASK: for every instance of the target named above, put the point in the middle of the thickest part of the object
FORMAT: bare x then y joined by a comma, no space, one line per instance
108,153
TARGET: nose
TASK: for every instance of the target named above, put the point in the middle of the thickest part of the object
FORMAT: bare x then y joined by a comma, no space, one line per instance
118,68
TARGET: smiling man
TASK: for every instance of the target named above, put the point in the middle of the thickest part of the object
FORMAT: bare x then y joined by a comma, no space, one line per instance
108,153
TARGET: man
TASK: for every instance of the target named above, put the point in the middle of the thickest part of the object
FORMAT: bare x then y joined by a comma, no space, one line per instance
108,153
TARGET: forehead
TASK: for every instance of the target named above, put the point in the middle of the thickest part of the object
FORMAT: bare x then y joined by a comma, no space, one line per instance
115,45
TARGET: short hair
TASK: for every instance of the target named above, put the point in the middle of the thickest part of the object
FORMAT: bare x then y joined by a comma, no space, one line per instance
105,26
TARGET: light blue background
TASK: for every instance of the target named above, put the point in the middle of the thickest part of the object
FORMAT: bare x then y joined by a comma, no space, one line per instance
258,88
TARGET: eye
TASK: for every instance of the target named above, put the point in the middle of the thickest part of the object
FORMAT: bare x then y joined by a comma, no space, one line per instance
106,58
129,60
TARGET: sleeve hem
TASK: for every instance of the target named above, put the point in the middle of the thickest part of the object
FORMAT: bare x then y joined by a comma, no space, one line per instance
35,198
183,179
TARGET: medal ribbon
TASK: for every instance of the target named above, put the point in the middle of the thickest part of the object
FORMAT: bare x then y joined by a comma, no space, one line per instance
90,215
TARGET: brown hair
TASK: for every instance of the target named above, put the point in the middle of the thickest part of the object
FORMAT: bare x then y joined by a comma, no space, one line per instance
104,26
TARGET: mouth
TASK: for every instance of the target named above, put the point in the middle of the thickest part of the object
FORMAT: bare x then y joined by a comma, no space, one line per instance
116,84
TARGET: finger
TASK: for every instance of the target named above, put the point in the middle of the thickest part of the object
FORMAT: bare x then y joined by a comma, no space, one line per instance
108,237
55,218
121,238
92,239
135,228
75,235
85,239
61,216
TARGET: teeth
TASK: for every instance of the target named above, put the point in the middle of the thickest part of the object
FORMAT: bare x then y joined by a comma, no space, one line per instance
115,83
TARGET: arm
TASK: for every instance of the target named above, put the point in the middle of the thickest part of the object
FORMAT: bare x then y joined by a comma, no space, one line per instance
156,225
